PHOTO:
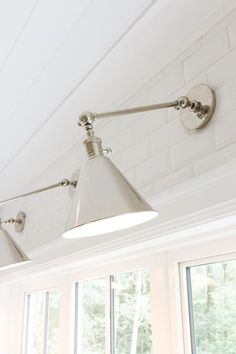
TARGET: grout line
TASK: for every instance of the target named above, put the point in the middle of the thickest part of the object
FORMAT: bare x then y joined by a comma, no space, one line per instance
215,61
228,38
192,165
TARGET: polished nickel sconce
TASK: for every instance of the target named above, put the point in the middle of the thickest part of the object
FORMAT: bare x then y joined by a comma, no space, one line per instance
104,201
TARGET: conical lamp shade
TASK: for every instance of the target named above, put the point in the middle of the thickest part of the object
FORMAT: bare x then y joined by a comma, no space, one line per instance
10,253
104,201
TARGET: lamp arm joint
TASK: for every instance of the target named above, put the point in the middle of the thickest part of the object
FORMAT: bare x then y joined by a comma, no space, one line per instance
192,105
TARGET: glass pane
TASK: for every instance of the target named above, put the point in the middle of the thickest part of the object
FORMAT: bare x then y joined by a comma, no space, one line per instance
90,321
42,323
132,313
35,325
212,303
53,323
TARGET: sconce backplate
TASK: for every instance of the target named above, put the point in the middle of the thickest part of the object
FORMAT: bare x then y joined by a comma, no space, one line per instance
206,96
20,222
71,189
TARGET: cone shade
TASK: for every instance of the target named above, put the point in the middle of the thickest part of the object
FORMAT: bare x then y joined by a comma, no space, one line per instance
104,201
10,253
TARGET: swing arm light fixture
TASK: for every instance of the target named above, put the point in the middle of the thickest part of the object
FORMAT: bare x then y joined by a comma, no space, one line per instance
93,213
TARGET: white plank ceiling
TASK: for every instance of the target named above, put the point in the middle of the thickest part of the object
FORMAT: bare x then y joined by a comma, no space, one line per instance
60,57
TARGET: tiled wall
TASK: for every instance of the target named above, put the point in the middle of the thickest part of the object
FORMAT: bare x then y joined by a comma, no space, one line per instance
153,149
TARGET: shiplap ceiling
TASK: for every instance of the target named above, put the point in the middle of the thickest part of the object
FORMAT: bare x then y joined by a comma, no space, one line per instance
60,57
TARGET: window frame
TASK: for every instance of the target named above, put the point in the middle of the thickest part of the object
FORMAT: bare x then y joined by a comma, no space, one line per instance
76,317
109,308
25,331
168,296
213,252
44,283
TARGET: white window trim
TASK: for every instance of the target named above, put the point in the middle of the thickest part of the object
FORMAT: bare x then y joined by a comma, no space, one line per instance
209,251
166,256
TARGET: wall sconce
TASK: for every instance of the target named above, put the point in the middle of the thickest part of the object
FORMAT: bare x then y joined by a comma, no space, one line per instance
104,200
11,254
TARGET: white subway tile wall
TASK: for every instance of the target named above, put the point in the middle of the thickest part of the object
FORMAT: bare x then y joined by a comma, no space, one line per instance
153,150
207,55
225,130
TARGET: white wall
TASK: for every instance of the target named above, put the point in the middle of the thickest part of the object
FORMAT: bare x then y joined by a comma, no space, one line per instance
153,150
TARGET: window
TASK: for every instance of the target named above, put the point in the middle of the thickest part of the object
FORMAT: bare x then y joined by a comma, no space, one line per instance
212,307
90,317
130,314
42,323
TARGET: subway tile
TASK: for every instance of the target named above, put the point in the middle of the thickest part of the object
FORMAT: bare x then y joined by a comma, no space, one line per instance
136,154
225,130
168,135
149,122
174,179
208,54
222,71
122,140
225,99
139,98
193,147
153,168
232,34
172,80
215,160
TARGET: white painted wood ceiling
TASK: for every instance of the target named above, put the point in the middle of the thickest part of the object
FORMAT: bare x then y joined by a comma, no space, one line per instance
60,57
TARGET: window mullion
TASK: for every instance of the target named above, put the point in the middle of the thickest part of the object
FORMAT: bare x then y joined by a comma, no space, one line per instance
46,323
26,329
112,315
190,310
76,318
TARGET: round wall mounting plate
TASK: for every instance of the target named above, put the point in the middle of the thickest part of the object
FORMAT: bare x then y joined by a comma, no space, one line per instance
19,226
206,96
71,189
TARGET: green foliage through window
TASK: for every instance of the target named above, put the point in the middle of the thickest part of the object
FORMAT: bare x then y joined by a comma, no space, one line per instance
132,320
212,294
130,314
42,323
90,317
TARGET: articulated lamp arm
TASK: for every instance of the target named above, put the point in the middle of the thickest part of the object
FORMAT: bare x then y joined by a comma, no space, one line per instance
199,106
63,183
196,111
